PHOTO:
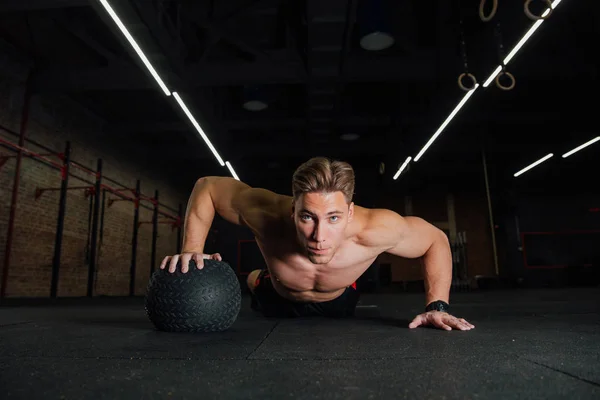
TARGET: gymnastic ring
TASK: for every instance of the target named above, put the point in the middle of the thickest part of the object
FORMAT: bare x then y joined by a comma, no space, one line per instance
532,15
505,87
494,9
468,75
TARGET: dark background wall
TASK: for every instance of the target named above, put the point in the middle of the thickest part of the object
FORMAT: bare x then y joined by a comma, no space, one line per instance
54,120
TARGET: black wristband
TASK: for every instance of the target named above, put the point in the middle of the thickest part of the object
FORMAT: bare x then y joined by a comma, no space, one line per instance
438,305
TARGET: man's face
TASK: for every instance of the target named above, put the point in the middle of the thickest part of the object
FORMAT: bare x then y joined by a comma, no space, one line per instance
321,220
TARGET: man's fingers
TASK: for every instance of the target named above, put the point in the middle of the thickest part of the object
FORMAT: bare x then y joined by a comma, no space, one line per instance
467,323
164,262
418,321
173,263
455,323
199,260
185,262
217,257
461,324
443,322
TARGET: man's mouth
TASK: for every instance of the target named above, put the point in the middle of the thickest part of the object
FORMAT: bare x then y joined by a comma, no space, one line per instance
317,251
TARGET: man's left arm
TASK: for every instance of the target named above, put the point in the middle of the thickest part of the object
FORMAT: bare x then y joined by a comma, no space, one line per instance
413,237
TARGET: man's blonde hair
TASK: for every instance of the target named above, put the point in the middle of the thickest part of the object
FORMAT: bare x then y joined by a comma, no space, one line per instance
322,175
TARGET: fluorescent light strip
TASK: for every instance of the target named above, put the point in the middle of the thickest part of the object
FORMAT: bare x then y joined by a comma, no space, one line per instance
197,126
575,150
492,76
522,41
446,122
525,38
402,167
231,170
135,46
538,162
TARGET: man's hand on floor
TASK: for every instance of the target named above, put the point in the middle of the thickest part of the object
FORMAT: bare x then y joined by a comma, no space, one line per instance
441,320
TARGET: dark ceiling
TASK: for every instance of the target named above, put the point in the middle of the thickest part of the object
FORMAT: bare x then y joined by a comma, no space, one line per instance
305,59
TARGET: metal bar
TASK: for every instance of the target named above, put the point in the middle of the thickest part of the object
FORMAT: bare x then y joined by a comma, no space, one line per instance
489,201
41,158
115,192
168,215
29,153
60,188
92,184
82,168
62,206
42,155
154,233
15,192
179,229
106,178
40,191
136,218
158,222
20,149
89,228
101,233
94,249
41,146
167,207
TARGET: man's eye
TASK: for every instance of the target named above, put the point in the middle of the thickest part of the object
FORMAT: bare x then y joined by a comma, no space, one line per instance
305,217
334,217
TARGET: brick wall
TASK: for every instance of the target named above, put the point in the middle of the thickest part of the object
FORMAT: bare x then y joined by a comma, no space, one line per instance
53,121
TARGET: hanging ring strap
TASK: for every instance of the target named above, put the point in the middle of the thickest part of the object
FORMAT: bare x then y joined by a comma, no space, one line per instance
536,17
512,80
463,50
503,72
471,77
482,15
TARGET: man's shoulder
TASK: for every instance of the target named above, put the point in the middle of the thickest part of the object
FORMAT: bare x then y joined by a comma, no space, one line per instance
263,209
259,199
377,217
377,226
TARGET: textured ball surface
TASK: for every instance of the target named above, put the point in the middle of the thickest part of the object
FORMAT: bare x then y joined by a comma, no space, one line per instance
206,300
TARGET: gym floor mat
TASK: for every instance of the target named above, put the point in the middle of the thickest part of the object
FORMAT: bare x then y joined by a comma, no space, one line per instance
526,344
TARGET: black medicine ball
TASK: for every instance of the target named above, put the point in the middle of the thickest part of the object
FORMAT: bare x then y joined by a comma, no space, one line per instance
205,300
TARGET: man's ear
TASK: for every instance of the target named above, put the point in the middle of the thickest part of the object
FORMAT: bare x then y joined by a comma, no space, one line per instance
351,211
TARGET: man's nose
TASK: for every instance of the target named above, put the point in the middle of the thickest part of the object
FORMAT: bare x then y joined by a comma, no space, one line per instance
318,234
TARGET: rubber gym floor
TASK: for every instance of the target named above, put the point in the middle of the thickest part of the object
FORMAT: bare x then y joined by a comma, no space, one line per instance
527,343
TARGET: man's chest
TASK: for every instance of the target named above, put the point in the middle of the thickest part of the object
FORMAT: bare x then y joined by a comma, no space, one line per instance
296,272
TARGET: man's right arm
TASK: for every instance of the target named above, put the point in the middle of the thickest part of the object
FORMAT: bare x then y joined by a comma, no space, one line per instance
211,194
223,195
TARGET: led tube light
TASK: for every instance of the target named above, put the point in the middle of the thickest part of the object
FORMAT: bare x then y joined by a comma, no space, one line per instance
402,167
538,162
575,150
135,46
231,170
446,122
198,128
520,44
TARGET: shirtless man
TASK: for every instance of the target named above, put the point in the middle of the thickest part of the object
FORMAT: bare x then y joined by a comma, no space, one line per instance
317,243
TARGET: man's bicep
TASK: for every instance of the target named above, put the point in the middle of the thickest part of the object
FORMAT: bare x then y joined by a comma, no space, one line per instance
411,237
228,196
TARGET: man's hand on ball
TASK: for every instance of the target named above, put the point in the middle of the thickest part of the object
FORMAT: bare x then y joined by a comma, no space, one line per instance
441,320
171,261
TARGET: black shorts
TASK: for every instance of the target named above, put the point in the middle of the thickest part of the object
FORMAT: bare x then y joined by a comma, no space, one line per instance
271,304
